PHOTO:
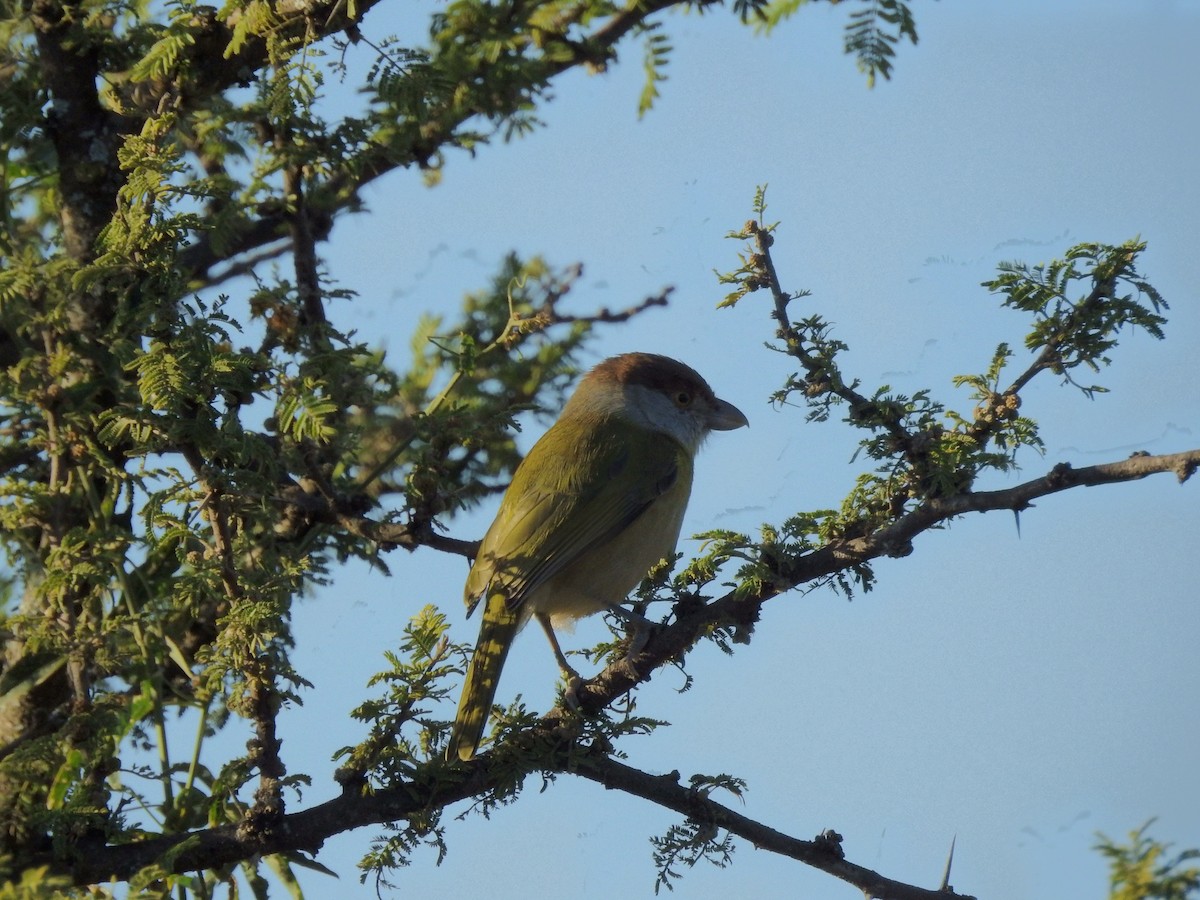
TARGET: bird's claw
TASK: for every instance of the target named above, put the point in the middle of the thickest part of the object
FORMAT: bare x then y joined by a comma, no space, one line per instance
571,692
640,638
642,630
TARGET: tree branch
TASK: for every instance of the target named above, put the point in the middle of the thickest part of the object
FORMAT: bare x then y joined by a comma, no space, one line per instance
81,129
824,852
672,641
820,373
440,785
891,539
399,534
435,130
437,785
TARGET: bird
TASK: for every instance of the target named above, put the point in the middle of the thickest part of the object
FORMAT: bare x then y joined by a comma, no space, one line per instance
598,501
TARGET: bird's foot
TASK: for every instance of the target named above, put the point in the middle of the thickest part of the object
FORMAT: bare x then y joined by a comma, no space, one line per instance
642,629
571,692
640,638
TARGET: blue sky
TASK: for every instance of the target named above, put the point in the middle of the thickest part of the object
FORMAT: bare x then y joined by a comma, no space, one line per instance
1017,691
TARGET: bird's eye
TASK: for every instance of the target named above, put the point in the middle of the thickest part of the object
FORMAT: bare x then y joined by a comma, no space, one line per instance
683,398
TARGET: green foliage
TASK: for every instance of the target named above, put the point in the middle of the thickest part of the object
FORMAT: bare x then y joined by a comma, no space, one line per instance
654,62
772,13
304,413
873,32
687,844
694,840
445,431
871,35
173,460
401,730
191,444
924,450
1144,868
40,884
404,736
750,275
1078,307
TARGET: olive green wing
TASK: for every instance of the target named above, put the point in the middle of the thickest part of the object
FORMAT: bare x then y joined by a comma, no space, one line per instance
580,485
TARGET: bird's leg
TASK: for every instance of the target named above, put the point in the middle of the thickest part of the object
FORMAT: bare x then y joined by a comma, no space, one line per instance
573,679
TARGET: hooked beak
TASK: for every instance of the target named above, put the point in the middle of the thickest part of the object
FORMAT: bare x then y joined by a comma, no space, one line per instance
725,416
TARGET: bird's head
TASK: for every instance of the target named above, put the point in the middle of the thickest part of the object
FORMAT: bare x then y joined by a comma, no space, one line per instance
655,392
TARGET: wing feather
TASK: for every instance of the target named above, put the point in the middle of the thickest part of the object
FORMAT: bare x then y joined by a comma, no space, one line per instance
577,489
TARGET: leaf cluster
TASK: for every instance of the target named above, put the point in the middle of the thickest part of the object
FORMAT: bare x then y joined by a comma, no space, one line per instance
695,840
922,447
1080,304
1143,868
874,29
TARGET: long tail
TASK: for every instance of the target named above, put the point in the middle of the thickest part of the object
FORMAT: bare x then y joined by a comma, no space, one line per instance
496,633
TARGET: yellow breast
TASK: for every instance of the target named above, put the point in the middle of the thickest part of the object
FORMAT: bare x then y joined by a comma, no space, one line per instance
604,576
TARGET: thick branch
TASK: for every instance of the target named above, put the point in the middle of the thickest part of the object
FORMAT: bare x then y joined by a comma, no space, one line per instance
672,641
304,831
307,831
895,538
84,134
